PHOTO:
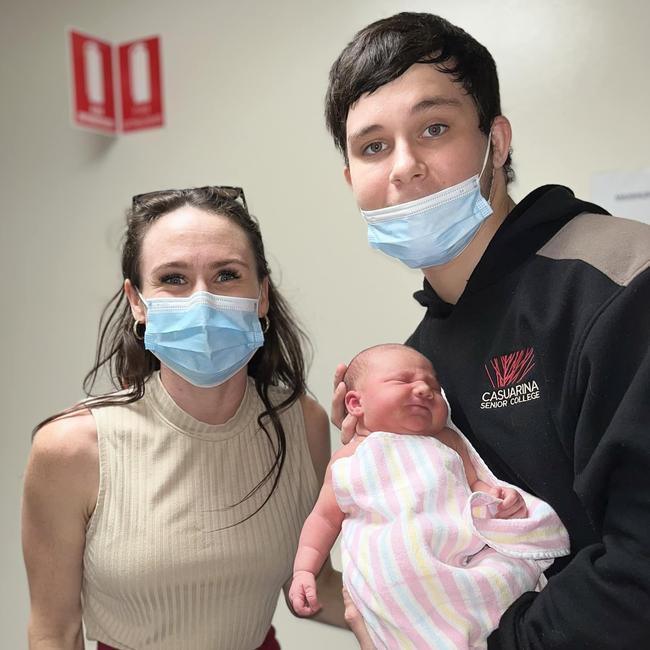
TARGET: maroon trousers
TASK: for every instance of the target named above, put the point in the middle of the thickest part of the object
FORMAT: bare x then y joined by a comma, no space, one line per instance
270,643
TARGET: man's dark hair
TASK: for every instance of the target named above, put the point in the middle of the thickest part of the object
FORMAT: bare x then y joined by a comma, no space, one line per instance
387,48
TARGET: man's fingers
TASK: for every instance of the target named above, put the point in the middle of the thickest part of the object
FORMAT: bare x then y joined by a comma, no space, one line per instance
338,405
356,623
339,373
352,616
348,428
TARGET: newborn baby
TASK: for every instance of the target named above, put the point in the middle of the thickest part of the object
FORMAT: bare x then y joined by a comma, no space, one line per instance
434,547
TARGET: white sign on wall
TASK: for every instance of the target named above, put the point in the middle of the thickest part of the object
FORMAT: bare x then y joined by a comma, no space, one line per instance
623,193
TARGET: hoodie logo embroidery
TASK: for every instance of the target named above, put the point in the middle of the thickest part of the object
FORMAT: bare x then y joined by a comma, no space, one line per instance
507,373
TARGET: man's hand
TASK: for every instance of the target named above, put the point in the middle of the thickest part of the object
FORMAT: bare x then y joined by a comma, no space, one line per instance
340,417
513,505
302,594
356,623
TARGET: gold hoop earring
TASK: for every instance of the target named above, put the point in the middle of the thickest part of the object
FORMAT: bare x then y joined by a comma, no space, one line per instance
135,330
266,323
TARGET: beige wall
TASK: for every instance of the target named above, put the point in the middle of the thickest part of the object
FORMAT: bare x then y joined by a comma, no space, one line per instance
243,85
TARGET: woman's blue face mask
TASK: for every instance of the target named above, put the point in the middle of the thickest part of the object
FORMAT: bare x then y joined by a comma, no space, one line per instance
205,338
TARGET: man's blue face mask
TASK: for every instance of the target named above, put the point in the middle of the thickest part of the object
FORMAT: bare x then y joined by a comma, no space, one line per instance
204,338
432,230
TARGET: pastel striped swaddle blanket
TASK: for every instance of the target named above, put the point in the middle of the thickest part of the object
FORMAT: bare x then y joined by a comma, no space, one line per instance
424,561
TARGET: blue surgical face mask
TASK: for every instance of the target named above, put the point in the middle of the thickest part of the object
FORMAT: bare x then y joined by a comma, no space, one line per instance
432,230
204,338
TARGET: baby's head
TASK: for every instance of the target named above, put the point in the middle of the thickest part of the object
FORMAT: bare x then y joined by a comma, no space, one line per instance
392,387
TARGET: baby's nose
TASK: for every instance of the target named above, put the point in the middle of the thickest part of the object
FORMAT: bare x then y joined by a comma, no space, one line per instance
423,390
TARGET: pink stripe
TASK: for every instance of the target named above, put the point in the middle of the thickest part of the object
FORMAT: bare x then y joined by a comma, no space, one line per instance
489,596
384,632
408,570
458,599
382,474
402,551
401,619
448,547
357,488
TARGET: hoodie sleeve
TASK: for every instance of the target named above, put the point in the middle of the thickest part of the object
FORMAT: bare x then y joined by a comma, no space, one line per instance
601,599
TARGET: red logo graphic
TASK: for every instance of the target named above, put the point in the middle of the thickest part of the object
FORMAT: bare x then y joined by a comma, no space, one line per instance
509,369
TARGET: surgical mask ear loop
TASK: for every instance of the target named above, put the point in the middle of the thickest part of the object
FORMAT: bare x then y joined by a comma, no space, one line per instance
266,323
144,302
136,322
485,159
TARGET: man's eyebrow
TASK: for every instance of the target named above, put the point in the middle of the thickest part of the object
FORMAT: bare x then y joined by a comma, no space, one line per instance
434,102
362,133
421,106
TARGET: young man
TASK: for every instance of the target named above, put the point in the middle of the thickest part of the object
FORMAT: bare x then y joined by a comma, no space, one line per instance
537,314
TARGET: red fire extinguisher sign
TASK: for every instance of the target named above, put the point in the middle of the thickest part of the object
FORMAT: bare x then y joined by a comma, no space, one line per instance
134,102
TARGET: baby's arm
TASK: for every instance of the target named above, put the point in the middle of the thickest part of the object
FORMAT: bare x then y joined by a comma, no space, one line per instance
512,506
318,535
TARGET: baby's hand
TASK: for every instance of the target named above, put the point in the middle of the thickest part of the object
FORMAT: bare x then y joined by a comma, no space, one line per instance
302,594
512,506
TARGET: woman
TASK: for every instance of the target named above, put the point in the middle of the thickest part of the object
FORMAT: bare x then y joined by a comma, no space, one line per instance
167,514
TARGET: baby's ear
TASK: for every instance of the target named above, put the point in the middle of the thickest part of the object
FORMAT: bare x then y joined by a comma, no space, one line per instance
353,403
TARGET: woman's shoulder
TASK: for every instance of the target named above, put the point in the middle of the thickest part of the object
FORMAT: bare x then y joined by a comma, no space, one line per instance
64,458
316,425
317,431
313,412
67,437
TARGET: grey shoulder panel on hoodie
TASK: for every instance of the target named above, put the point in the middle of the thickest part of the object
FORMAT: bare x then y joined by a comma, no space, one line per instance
619,248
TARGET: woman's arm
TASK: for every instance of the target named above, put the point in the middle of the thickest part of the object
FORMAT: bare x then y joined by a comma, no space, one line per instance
60,492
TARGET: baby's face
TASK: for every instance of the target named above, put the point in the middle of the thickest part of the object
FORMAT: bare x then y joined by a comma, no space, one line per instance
399,392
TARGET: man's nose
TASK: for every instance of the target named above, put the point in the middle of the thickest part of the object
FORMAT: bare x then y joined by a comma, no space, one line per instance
407,164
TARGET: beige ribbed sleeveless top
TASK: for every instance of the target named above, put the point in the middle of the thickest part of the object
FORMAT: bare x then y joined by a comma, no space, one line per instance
159,568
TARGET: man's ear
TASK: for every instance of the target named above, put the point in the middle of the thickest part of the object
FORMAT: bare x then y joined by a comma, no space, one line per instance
135,302
353,403
501,138
346,175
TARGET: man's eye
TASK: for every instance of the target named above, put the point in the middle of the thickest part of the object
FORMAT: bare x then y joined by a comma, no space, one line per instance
173,278
374,148
435,130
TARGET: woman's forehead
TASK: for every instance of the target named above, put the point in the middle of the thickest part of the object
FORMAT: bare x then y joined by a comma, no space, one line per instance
189,229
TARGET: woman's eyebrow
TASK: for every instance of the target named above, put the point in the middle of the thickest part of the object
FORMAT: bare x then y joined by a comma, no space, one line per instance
183,265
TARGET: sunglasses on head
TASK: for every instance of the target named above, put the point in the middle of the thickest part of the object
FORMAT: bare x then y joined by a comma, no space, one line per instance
223,191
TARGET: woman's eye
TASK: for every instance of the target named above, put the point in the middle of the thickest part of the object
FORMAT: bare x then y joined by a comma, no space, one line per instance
435,130
226,275
173,278
374,148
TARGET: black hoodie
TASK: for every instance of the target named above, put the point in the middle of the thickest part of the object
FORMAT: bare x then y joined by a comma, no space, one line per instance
545,361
